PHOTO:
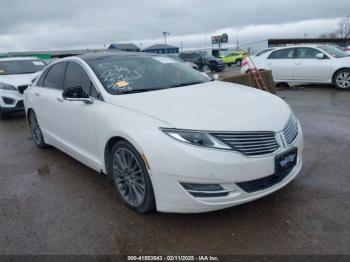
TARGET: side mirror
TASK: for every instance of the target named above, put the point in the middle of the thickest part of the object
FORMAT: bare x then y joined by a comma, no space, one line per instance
320,56
76,94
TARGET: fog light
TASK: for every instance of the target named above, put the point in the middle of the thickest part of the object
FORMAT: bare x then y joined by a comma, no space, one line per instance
205,190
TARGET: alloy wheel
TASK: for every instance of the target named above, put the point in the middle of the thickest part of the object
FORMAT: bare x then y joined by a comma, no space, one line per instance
343,80
129,177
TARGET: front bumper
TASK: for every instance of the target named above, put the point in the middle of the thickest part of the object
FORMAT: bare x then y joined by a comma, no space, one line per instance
11,101
217,67
226,168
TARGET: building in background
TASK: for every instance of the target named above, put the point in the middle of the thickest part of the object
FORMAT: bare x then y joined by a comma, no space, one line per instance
161,49
128,47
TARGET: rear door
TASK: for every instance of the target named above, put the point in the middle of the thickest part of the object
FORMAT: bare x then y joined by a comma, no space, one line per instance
282,64
309,68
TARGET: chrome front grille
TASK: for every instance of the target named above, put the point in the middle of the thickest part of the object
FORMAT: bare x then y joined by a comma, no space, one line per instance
291,131
250,143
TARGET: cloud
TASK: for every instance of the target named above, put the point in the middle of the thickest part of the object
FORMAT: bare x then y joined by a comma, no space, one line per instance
43,25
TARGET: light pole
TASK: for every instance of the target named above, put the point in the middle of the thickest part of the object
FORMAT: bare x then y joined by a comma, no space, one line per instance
165,34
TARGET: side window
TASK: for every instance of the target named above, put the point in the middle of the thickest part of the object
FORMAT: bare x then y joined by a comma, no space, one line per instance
307,53
76,76
282,54
55,75
42,77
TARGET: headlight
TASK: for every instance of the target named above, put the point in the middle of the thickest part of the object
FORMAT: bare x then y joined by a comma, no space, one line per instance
195,138
5,86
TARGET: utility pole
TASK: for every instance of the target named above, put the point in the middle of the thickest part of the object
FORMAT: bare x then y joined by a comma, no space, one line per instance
165,34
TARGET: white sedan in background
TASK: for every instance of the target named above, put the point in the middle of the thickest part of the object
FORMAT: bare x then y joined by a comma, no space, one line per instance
171,138
16,74
305,64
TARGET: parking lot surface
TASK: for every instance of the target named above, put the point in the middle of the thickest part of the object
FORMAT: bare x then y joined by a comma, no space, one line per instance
52,204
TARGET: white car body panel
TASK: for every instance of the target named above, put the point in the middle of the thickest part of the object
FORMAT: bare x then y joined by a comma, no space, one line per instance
83,130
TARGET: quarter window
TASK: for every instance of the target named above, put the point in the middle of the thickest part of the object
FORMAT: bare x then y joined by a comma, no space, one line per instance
282,54
54,77
77,76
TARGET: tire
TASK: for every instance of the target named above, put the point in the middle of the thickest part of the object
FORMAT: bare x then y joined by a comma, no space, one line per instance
36,131
3,115
342,79
229,65
131,178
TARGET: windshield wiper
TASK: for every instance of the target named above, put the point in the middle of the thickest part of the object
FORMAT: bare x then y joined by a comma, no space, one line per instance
186,84
134,91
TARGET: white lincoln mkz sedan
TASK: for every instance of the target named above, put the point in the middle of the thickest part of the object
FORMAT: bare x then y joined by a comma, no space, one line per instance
171,138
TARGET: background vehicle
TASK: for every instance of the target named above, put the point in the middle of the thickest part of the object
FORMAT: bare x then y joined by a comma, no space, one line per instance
305,64
135,117
347,50
234,58
16,73
261,52
176,57
204,60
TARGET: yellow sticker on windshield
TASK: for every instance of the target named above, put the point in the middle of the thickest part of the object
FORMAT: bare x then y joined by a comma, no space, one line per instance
122,84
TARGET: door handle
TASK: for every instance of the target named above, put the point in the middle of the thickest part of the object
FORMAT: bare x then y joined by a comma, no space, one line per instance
59,99
37,94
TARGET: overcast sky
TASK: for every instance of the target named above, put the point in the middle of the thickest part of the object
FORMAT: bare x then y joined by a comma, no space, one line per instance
46,25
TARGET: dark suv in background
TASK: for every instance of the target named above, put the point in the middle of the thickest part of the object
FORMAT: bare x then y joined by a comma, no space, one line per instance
204,60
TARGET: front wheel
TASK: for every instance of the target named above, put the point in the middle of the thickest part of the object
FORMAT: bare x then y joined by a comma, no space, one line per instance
131,178
36,131
342,79
3,115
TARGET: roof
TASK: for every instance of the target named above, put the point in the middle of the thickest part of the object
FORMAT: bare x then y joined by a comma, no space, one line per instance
125,46
160,46
306,40
18,58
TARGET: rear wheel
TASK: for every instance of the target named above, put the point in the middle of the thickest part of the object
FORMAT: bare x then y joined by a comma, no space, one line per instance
131,178
36,131
342,79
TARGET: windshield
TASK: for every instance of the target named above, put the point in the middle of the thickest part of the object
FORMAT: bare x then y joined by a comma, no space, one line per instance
21,67
133,74
333,51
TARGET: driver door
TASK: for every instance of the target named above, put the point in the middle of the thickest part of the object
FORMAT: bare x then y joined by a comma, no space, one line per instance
76,125
309,68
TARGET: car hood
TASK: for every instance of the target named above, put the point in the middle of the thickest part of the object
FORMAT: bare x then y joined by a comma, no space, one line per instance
18,80
212,106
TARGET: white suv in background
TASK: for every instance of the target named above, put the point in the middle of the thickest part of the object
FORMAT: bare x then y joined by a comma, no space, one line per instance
305,64
16,74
